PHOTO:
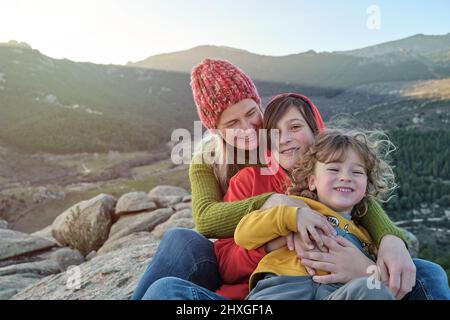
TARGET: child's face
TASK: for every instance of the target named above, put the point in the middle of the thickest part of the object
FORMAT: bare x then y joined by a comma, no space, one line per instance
340,185
295,138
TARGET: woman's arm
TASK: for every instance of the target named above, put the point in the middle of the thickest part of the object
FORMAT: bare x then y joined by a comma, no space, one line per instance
378,224
213,217
394,261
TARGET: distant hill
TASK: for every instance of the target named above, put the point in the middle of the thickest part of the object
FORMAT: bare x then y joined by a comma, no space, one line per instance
415,58
432,51
61,106
15,44
417,45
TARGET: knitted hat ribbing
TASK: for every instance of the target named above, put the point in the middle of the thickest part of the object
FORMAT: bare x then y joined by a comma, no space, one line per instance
217,85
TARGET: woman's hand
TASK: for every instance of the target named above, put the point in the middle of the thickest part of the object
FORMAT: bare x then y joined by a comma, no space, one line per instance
295,242
309,223
397,270
343,261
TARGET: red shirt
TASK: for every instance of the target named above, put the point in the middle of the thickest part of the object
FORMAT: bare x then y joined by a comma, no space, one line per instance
236,264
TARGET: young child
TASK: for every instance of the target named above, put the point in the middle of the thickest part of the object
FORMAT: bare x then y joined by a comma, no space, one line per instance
338,176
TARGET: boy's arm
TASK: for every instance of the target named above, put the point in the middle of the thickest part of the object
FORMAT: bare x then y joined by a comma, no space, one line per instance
261,226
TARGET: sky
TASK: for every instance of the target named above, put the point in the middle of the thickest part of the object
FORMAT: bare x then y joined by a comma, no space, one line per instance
118,31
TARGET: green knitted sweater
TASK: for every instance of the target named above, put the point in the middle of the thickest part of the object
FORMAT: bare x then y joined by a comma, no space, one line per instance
217,219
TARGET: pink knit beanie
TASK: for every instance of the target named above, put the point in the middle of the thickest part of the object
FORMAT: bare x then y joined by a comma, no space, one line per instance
217,85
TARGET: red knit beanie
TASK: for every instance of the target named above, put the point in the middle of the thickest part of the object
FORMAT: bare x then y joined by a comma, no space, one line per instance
217,85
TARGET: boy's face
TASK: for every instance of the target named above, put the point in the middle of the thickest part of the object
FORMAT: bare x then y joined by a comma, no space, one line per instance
340,185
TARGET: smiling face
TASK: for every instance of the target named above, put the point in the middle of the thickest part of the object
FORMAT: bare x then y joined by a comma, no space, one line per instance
295,138
239,124
340,185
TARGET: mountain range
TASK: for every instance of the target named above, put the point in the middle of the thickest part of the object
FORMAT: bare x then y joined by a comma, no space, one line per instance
414,58
61,106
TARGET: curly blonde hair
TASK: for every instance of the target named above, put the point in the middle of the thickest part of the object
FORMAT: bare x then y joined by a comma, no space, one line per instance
373,147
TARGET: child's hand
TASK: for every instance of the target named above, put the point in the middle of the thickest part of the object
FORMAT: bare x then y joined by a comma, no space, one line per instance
275,244
308,224
295,242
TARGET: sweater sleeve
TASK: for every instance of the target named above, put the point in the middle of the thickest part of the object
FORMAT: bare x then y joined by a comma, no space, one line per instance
213,217
378,224
261,226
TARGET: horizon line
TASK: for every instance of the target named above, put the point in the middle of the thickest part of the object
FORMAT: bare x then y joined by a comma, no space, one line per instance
220,46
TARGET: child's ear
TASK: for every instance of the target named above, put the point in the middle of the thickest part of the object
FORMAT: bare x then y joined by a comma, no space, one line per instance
311,183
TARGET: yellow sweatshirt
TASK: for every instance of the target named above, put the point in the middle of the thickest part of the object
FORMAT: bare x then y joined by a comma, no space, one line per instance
260,226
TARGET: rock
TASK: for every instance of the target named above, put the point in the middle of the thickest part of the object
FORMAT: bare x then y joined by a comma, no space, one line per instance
112,276
164,191
182,219
182,206
134,238
134,202
38,268
187,198
85,226
185,213
14,243
7,293
413,242
46,233
160,230
15,277
3,224
91,255
166,202
12,284
136,222
29,257
66,257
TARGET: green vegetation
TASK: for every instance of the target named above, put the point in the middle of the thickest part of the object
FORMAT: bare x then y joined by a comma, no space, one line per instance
422,169
59,106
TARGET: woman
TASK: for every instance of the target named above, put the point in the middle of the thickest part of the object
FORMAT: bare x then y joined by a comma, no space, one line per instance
227,99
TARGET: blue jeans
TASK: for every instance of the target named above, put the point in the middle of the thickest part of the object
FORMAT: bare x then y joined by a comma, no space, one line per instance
172,288
187,255
431,282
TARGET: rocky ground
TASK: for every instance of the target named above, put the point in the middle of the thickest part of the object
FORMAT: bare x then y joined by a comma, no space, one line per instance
115,241
97,249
